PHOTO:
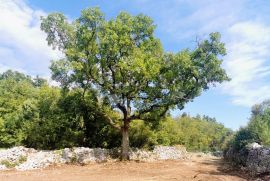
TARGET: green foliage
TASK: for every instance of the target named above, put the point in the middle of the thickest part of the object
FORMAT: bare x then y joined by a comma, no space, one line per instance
49,127
259,125
15,89
40,116
257,130
22,159
141,135
123,61
169,133
114,71
243,137
12,164
67,119
8,163
45,117
195,134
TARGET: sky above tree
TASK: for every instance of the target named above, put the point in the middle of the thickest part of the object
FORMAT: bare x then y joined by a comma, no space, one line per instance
244,25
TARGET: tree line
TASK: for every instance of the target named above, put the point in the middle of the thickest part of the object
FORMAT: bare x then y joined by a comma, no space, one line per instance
37,115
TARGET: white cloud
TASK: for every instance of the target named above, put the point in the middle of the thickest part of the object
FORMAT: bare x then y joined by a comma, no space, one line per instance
22,44
185,19
244,30
248,62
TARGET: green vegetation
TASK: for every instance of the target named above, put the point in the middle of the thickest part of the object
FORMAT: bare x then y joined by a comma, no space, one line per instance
8,164
22,159
117,86
257,130
121,62
11,164
46,117
117,83
196,134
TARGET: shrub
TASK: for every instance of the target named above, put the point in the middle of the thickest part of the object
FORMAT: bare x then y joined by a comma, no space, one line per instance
141,135
257,130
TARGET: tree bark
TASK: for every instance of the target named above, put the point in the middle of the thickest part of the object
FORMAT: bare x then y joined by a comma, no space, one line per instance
125,144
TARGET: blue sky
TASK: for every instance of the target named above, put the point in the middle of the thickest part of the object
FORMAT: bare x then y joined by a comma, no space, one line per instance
244,25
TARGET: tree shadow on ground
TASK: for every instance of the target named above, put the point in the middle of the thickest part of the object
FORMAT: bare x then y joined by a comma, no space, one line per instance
224,169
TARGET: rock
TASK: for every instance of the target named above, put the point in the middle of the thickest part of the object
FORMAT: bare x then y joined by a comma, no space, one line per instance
142,155
159,153
169,152
27,159
254,146
218,153
237,157
13,154
3,167
84,155
254,157
40,159
258,161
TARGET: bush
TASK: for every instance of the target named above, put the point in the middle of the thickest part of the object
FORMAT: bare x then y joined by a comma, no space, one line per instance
257,130
169,133
141,135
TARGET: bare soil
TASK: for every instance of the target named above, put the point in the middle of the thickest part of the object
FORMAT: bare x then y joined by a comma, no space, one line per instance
197,168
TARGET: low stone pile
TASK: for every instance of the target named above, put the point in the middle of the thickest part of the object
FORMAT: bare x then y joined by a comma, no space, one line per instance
22,158
170,153
39,159
84,155
12,157
159,153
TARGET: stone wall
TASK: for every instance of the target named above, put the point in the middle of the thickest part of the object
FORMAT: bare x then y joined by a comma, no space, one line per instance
22,158
254,158
258,160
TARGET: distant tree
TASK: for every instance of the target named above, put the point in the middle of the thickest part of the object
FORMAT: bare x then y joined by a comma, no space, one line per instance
15,89
259,123
15,75
184,114
125,64
38,81
208,118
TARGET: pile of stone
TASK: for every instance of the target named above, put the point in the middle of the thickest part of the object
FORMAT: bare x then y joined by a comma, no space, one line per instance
255,158
13,154
159,153
39,159
22,158
258,160
170,153
84,155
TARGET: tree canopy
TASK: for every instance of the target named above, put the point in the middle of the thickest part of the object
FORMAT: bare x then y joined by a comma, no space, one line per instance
124,63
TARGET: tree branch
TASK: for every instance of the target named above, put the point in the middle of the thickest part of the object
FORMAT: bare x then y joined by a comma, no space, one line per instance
123,109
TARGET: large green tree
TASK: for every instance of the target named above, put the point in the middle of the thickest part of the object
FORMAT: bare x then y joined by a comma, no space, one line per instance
15,89
123,61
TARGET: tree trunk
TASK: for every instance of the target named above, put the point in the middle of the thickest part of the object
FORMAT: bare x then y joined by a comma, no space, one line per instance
125,144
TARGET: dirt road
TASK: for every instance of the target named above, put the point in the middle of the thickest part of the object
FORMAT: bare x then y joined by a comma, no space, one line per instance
208,169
